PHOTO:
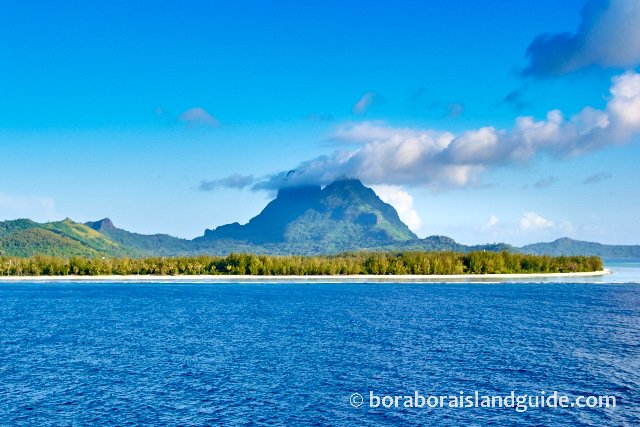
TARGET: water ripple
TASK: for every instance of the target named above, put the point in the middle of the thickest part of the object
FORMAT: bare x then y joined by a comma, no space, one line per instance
237,355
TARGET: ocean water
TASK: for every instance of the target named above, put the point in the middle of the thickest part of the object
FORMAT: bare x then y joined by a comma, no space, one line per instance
294,354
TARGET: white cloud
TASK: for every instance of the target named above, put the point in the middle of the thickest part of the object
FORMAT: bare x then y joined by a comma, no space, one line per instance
491,223
236,181
538,227
198,116
364,103
531,221
402,202
608,36
625,104
566,228
528,227
36,208
386,155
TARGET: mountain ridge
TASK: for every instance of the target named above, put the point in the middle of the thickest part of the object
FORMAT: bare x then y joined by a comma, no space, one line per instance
344,216
343,210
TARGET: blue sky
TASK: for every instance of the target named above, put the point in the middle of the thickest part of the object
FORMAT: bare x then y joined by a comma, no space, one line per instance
131,111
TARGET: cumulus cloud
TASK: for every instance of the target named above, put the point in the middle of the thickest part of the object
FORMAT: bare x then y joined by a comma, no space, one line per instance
625,104
596,178
608,36
531,221
381,154
198,116
402,202
491,223
364,103
236,181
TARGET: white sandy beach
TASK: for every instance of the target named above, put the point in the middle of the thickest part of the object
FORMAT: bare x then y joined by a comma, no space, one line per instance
363,278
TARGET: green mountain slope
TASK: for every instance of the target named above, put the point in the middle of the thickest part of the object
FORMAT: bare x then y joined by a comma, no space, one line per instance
87,237
39,241
8,227
61,238
141,244
343,216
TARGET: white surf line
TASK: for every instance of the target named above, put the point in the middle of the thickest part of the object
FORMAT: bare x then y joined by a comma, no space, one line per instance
357,278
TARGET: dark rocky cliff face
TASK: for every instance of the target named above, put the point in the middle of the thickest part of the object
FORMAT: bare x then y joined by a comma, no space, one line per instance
101,225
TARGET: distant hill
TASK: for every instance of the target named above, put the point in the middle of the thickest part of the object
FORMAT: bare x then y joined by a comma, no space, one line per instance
566,246
143,244
343,216
25,238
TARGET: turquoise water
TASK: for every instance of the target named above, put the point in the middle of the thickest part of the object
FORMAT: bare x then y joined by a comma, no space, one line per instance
291,354
623,271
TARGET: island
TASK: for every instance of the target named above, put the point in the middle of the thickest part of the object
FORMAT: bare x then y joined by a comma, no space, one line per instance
361,265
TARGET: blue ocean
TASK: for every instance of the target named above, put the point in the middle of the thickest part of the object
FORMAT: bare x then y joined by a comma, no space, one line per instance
235,354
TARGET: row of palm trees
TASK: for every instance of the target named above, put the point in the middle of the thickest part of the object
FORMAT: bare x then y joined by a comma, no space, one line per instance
378,263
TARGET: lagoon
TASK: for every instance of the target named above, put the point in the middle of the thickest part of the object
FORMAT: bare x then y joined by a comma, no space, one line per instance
289,354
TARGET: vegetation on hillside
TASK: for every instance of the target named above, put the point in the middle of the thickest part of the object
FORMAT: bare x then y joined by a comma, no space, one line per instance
566,246
343,216
350,263
26,238
28,242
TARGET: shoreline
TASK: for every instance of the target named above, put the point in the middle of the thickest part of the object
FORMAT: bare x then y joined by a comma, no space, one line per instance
360,278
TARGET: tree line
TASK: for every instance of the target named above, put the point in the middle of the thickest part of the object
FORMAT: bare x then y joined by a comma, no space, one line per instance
377,263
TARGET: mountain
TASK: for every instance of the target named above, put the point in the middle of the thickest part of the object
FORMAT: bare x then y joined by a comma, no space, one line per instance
23,237
343,216
142,244
566,246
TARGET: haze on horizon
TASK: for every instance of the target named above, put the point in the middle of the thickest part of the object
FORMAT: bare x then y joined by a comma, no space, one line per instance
483,121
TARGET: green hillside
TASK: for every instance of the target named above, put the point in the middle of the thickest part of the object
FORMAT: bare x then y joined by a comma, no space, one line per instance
39,241
566,246
87,237
141,244
344,216
61,238
9,227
